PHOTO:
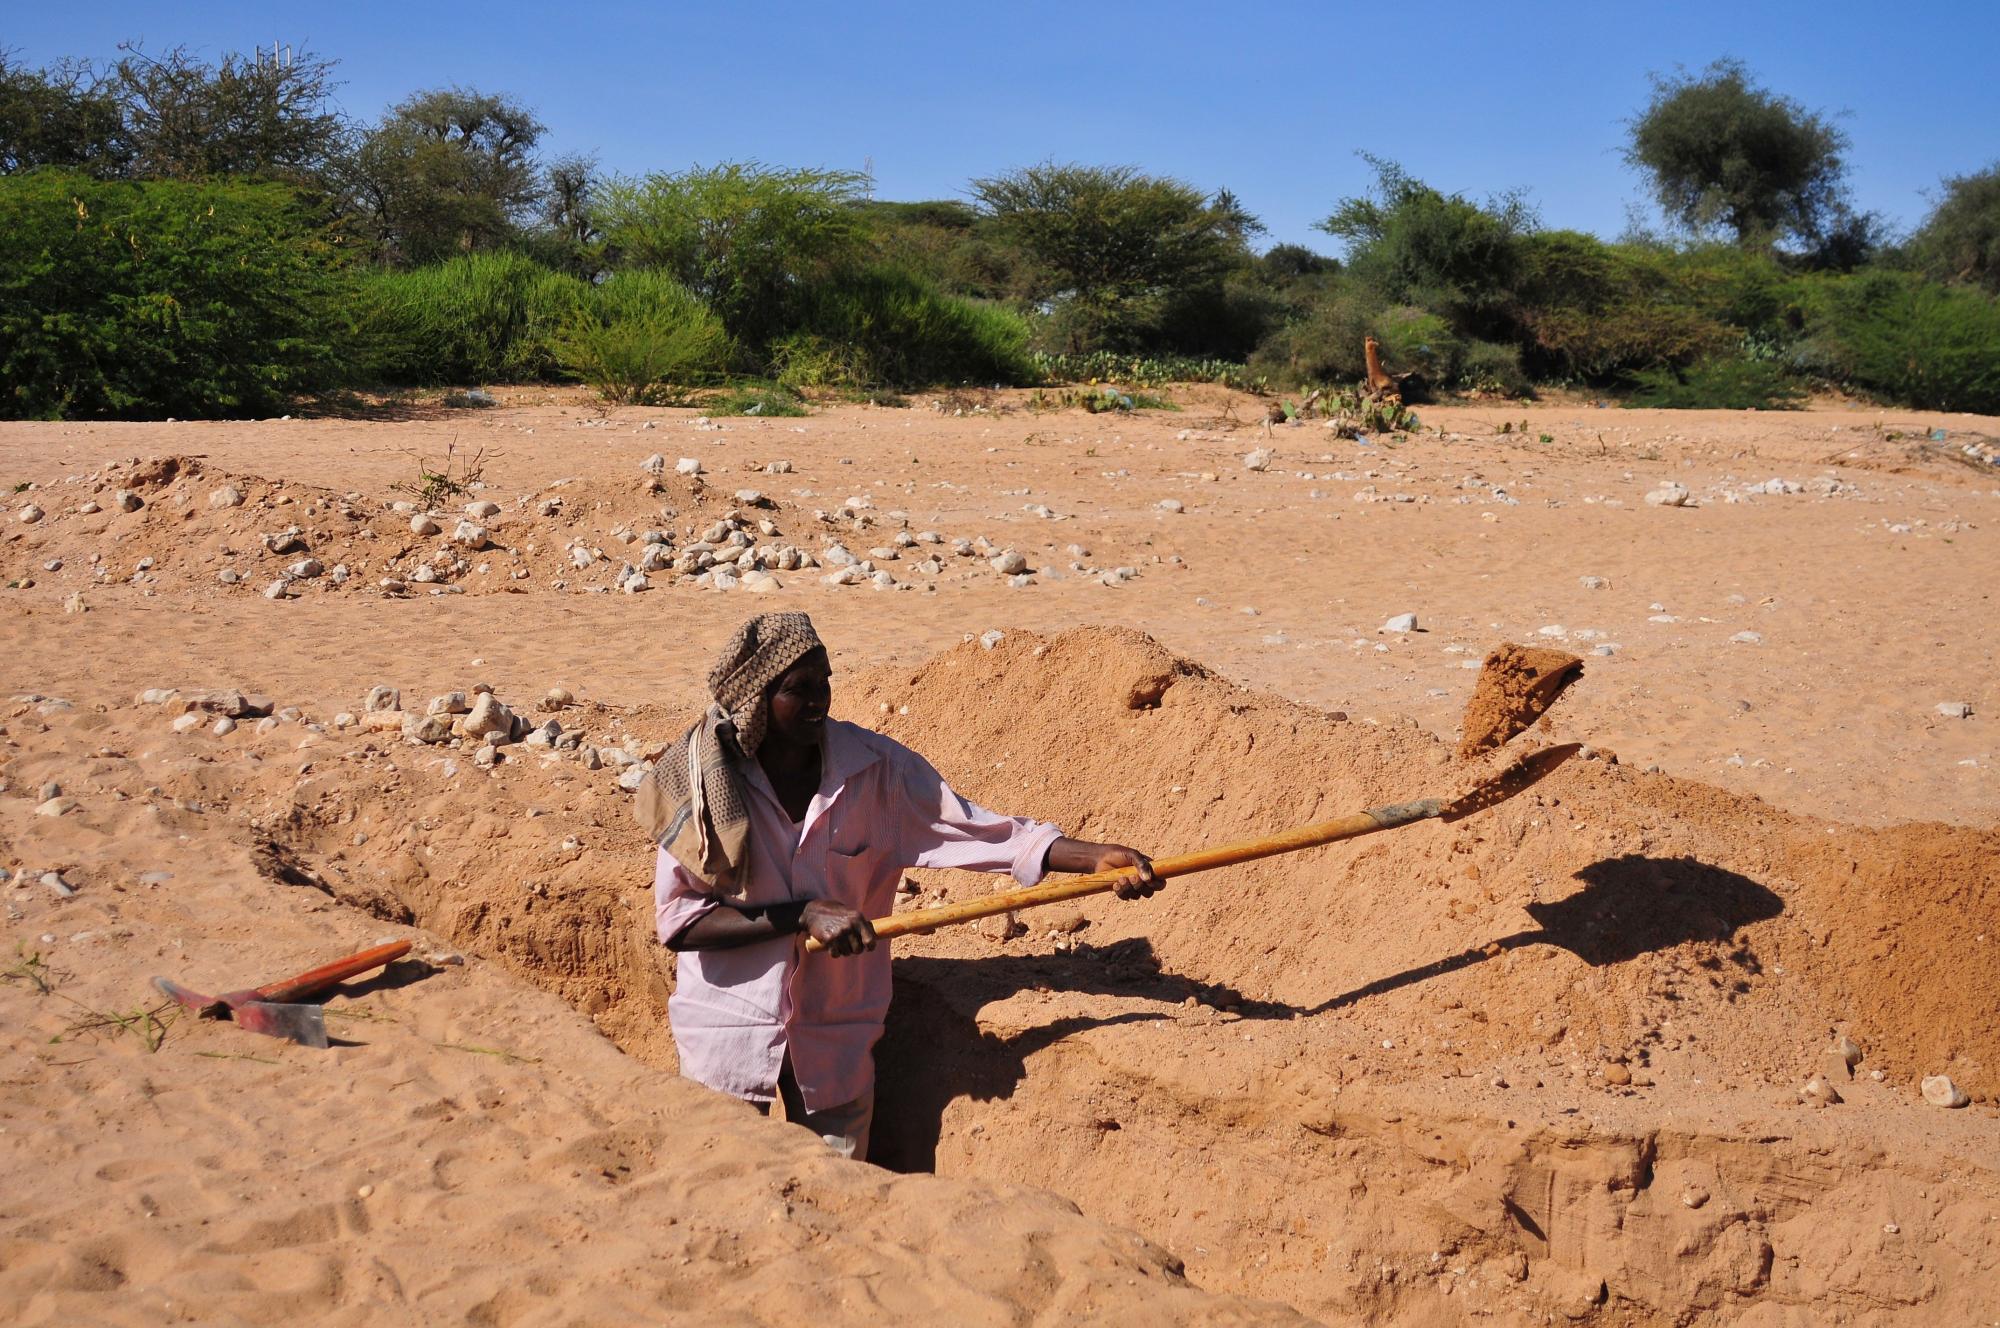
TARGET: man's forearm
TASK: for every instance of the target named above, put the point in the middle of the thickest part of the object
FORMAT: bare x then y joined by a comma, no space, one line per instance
728,926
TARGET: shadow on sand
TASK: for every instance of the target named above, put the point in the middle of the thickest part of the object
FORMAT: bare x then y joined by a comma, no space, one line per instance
933,1051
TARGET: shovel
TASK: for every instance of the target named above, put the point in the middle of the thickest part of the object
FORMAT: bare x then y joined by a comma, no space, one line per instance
269,1009
1516,777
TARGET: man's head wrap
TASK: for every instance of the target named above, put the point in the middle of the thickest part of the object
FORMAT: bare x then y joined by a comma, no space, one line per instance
695,804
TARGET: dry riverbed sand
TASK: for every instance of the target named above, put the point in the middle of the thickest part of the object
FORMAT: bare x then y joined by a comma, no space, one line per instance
1581,1056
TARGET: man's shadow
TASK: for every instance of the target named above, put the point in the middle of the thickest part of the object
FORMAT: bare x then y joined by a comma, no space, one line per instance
933,1052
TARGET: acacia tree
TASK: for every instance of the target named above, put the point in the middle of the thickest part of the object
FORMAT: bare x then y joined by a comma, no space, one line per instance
748,239
1724,154
446,172
63,115
1960,240
259,116
1418,246
1108,245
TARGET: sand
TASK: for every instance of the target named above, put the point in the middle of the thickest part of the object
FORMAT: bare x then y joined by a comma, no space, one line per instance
1516,687
1543,1061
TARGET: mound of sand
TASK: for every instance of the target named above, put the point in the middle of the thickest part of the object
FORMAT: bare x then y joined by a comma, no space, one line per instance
1632,911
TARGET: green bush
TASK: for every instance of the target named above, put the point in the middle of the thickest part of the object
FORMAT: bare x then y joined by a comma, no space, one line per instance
482,318
1910,340
1325,344
1140,370
1719,383
1589,310
901,331
1415,341
763,401
1488,366
643,339
138,300
749,240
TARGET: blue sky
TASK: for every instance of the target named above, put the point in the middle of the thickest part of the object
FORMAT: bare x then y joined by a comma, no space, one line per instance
1269,100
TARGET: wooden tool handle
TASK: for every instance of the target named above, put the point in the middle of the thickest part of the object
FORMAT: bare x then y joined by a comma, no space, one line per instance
327,975
1075,887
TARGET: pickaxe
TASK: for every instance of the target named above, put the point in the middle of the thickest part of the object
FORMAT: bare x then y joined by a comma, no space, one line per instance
269,1009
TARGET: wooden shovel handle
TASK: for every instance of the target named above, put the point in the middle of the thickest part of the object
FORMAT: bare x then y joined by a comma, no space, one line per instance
328,975
1076,887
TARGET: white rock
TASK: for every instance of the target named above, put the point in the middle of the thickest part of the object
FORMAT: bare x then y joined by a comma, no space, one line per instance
1593,582
1940,1091
1010,562
57,806
382,698
229,576
185,723
487,715
279,589
223,727
882,580
343,720
1955,709
1602,648
471,534
654,464
1669,494
846,576
127,501
158,695
687,466
30,514
421,524
305,569
483,510
1402,622
1172,505
426,730
226,496
424,575
633,777
990,639
1258,460
778,468
268,724
837,555
1748,638
581,557
761,583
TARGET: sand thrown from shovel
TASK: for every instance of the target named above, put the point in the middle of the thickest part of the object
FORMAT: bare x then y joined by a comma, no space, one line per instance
1516,687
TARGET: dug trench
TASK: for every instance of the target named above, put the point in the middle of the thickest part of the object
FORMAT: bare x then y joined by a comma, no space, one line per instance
1542,1061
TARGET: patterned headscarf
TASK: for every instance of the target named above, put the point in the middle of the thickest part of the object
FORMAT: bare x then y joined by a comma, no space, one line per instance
695,804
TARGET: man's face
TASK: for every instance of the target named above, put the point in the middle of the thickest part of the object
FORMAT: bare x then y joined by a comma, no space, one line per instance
799,700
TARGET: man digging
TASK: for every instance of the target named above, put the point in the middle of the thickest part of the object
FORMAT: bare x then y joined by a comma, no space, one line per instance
776,823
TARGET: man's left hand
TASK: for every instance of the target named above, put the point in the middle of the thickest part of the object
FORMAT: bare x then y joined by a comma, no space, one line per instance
1110,857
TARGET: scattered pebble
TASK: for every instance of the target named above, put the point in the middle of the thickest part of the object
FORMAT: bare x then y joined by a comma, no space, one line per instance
1670,495
1402,622
1954,709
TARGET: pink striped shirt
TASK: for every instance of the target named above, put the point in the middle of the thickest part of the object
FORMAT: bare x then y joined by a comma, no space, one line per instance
880,808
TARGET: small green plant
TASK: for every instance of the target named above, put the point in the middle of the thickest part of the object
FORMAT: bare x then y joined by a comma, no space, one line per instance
761,401
643,339
433,489
30,967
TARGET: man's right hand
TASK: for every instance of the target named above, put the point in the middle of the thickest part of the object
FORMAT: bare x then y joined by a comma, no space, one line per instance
842,930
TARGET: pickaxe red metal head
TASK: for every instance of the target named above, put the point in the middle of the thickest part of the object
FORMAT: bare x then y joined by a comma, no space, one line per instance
270,1009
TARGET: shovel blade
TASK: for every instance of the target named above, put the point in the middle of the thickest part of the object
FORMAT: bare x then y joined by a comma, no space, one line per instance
303,1024
1528,770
